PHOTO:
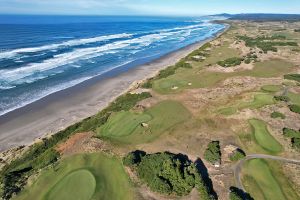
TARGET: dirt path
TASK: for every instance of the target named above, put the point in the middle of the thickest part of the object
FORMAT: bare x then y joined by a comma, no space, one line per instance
238,167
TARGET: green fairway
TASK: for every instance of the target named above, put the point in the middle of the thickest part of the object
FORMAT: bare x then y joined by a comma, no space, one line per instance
295,98
264,180
271,88
204,78
81,177
259,101
263,138
125,127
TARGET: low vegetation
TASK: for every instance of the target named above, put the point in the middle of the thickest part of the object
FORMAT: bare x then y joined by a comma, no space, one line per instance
237,155
294,135
282,98
238,194
213,153
277,115
295,108
295,77
167,173
267,43
230,62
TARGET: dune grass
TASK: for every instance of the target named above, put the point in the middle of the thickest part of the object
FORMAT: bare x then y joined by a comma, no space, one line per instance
159,119
265,180
81,177
263,138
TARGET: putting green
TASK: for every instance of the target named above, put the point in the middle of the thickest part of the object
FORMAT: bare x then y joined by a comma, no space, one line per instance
263,138
264,180
123,123
125,127
71,187
82,177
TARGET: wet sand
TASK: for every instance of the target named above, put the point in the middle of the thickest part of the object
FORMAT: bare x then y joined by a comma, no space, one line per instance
61,109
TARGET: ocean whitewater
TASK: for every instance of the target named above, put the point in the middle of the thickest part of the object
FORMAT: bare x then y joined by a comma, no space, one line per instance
42,55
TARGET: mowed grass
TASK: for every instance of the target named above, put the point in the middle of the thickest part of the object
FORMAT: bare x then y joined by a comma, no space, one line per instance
204,78
294,98
265,180
82,177
259,101
123,123
126,127
263,138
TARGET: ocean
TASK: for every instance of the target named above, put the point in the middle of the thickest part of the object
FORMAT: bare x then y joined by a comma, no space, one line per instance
41,55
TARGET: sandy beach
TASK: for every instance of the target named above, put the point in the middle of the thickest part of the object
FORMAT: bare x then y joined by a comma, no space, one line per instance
59,110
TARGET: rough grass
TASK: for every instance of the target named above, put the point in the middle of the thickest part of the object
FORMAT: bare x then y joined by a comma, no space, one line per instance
265,180
263,138
73,178
159,119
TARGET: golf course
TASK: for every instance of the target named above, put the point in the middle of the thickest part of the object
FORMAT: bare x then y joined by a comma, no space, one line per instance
81,177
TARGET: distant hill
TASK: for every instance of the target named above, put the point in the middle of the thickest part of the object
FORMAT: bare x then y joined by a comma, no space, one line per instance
266,17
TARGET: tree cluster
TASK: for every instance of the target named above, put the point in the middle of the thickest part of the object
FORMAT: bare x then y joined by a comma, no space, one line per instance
213,153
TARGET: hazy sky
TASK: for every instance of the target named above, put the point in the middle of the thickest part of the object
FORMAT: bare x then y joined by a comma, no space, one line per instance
147,7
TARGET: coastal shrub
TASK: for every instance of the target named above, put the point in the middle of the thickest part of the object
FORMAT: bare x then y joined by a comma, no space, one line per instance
213,153
297,30
230,62
295,77
238,194
295,108
266,43
282,98
167,173
147,84
183,64
296,143
277,115
291,133
237,155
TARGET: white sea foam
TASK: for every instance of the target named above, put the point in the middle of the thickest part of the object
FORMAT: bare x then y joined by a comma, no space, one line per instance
54,47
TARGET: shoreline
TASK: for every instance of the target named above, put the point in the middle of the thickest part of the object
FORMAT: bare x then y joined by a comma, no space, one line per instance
61,109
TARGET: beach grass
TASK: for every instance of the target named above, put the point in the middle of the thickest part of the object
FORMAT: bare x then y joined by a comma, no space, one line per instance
263,138
264,180
157,119
81,177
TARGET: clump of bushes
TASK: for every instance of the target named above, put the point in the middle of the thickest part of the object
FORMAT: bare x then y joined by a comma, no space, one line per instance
237,155
238,194
295,77
294,108
213,153
282,98
266,43
291,133
294,135
230,62
167,173
277,115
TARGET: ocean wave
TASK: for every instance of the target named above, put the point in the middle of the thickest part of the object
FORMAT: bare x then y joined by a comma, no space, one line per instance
54,47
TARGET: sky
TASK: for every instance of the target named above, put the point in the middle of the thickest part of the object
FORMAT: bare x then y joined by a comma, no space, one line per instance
147,7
